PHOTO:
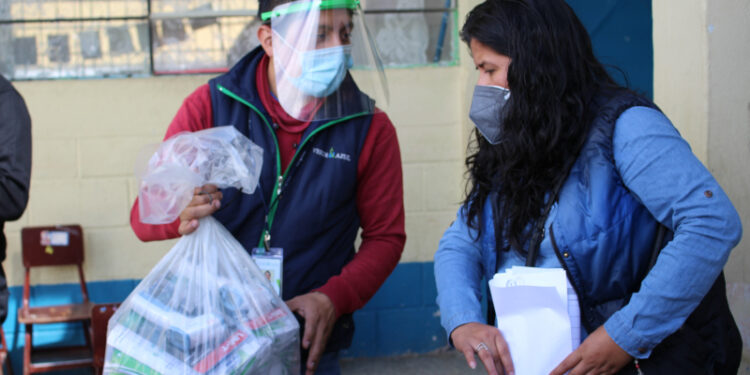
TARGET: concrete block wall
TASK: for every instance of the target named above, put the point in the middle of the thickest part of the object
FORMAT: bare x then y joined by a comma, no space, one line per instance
429,131
87,135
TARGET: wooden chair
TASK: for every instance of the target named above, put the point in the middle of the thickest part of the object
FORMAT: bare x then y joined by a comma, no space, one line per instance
100,314
4,358
54,246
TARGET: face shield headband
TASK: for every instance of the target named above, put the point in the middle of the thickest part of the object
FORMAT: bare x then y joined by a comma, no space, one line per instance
307,6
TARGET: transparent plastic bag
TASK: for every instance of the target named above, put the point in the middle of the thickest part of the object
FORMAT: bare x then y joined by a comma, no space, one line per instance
221,156
205,308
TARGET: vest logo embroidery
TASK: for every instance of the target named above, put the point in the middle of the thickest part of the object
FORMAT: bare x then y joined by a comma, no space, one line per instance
331,154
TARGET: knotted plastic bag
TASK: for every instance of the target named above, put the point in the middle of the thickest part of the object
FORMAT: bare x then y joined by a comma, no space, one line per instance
221,156
205,308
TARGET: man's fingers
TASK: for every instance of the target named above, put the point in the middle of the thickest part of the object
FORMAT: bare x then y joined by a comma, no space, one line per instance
187,227
311,323
293,305
568,363
197,212
201,199
208,188
206,198
190,215
205,194
318,345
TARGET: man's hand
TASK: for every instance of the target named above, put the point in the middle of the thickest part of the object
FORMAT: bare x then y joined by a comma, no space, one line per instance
206,200
488,343
598,354
320,316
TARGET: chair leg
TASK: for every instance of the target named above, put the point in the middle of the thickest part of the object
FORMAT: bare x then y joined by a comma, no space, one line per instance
27,350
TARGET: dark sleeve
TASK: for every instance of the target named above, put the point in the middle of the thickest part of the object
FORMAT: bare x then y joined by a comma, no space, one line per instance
15,153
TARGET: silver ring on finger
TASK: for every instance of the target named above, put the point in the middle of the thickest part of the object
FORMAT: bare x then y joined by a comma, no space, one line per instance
210,196
481,346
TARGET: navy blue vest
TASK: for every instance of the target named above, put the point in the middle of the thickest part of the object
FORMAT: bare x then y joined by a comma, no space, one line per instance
316,221
604,237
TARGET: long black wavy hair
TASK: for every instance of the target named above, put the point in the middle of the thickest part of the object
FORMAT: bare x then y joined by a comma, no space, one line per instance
553,77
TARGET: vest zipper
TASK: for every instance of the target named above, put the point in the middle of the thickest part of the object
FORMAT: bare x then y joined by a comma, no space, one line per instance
567,272
265,239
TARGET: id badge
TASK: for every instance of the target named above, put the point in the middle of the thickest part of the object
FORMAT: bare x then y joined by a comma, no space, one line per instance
271,265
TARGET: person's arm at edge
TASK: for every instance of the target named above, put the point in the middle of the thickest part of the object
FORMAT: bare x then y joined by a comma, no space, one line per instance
194,114
706,228
381,208
15,155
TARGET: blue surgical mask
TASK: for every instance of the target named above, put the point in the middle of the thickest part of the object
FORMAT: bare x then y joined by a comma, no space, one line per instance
323,70
488,111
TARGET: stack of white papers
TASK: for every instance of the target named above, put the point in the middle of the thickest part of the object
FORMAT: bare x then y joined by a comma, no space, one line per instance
537,312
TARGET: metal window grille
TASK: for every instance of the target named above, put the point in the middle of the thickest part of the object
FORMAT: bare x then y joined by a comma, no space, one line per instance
51,39
413,32
63,39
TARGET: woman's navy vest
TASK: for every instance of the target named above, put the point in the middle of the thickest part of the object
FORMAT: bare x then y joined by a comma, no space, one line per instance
605,238
316,221
603,235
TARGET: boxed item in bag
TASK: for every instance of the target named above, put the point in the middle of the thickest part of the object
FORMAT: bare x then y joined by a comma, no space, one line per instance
205,308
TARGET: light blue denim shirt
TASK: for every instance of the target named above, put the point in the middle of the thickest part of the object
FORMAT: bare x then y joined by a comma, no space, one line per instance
658,167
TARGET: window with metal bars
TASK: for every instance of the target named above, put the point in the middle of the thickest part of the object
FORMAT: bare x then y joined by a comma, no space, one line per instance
52,39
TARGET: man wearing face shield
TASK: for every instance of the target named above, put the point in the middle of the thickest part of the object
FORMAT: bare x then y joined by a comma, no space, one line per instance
331,165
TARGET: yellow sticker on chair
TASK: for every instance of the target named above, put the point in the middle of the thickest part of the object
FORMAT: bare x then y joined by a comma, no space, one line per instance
49,250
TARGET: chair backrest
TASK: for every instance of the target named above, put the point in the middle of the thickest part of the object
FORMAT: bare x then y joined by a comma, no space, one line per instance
57,245
52,245
100,314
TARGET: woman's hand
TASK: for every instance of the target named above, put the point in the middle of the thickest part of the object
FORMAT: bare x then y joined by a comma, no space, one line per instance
598,354
206,200
488,343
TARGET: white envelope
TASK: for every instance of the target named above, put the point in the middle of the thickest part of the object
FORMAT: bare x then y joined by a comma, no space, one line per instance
532,307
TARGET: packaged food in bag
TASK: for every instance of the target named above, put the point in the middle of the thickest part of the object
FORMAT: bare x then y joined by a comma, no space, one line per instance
205,308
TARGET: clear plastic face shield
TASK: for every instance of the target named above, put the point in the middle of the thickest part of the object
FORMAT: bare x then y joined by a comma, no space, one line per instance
315,44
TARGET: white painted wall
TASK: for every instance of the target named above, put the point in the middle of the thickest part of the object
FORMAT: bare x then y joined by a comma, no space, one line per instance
681,67
728,147
702,82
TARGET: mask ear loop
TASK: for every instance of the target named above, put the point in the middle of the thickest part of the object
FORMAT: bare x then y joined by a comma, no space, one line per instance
298,55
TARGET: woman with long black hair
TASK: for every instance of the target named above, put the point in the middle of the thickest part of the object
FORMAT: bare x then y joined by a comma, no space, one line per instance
571,170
